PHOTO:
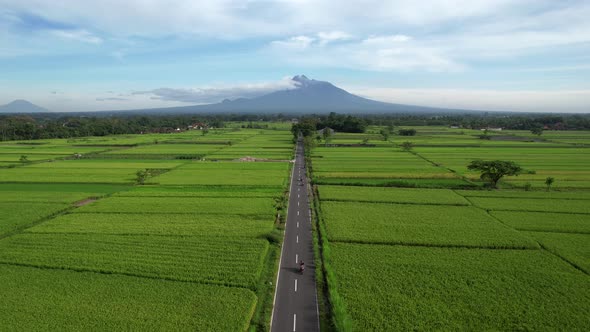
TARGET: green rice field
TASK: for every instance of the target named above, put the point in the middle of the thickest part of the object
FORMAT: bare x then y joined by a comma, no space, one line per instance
411,240
405,239
83,242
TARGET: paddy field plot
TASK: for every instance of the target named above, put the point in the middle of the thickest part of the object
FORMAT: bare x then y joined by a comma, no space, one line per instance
224,261
170,149
372,165
568,165
391,195
545,221
427,225
182,205
419,288
80,171
17,215
195,224
202,191
575,248
227,173
62,300
531,204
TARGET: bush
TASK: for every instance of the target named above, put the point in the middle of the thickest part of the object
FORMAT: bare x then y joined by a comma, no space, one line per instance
407,132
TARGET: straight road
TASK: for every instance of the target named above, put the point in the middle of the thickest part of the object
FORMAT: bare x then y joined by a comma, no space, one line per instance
296,305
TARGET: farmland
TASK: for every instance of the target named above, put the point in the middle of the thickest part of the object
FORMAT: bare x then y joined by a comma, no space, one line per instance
193,248
410,240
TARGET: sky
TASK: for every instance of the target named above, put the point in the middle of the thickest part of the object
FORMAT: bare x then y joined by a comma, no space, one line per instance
497,55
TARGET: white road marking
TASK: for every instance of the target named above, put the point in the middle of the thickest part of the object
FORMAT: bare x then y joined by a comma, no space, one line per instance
296,258
297,212
297,195
294,322
297,203
297,239
295,285
298,224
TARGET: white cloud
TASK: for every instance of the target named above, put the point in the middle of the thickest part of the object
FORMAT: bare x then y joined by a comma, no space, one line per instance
77,35
294,43
332,36
492,100
206,95
377,53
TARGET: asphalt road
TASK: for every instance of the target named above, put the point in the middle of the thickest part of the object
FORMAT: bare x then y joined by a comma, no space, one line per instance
296,306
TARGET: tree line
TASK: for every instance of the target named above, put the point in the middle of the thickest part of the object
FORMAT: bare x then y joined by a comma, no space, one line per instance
61,125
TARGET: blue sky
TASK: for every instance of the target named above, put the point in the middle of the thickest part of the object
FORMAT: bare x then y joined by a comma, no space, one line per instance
516,55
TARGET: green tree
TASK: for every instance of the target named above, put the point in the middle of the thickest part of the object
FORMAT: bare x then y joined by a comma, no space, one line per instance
24,159
326,134
141,176
549,182
407,146
407,132
493,170
305,127
537,130
385,134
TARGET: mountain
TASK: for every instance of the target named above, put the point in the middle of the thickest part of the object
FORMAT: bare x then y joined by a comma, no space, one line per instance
21,106
306,96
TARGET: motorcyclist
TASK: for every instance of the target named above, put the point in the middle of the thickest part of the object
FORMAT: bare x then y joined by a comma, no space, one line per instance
301,266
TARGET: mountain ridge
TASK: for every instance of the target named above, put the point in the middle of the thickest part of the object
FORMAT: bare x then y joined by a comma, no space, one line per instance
307,96
22,106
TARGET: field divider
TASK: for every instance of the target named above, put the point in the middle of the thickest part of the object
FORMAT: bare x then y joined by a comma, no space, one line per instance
541,246
129,274
551,231
381,202
427,245
573,264
461,176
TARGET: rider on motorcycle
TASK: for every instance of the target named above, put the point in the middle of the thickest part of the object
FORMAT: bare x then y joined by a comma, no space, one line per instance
301,266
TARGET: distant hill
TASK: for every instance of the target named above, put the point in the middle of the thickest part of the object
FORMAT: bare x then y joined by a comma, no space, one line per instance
308,96
21,106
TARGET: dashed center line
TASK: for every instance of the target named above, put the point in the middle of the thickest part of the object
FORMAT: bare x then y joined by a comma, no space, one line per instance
294,322
297,212
295,285
298,224
297,239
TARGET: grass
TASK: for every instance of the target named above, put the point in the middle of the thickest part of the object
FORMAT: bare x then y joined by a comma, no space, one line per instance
529,204
404,183
57,300
170,149
428,225
545,221
575,248
393,195
232,226
202,191
227,173
526,194
183,205
223,261
396,288
15,215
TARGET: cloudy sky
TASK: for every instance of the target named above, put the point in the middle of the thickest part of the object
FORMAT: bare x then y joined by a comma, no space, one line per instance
517,55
